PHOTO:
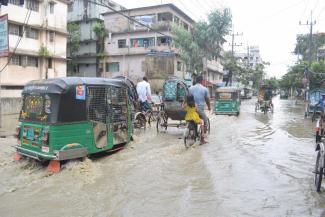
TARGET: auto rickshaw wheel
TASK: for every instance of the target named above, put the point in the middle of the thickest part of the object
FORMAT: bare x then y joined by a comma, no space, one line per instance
318,171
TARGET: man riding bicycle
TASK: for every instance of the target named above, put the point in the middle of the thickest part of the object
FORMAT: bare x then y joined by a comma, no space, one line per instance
144,93
201,98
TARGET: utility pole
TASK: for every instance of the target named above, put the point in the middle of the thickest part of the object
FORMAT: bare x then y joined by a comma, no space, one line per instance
233,44
306,73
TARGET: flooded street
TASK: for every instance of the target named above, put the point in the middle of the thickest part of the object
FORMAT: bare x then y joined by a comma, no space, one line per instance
253,165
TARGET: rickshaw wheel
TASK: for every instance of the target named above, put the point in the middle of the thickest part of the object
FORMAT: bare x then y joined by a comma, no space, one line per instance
161,122
140,121
318,171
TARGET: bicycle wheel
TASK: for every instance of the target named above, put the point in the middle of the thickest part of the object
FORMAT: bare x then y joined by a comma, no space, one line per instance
318,171
161,122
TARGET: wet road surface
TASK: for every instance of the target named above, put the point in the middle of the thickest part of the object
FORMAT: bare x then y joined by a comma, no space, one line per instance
253,165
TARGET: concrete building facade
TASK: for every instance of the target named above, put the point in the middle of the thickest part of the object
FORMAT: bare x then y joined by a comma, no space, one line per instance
134,51
40,25
86,15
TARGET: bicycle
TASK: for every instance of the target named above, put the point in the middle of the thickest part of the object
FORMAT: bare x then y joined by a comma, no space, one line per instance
193,132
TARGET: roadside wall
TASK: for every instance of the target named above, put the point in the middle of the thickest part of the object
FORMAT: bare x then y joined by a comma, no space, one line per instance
10,105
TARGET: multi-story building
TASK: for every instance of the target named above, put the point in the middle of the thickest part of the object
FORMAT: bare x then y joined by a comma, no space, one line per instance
135,51
40,28
86,14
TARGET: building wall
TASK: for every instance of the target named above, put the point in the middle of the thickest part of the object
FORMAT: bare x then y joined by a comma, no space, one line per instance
44,22
134,61
93,10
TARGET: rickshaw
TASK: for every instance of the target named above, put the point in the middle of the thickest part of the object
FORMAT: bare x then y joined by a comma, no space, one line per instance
227,101
264,101
173,96
73,117
314,96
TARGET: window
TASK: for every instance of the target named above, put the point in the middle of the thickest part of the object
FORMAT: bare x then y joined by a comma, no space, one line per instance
142,42
144,19
23,61
32,61
15,2
163,41
31,33
51,36
112,67
50,63
165,17
15,29
32,5
122,43
51,7
185,26
70,7
179,66
15,60
176,19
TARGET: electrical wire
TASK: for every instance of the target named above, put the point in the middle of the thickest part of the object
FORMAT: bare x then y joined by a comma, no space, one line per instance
128,17
303,13
19,39
189,11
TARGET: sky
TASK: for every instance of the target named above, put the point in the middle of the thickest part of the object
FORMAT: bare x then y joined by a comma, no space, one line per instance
270,24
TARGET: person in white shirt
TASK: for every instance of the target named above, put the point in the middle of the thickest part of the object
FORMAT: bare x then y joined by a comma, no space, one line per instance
144,93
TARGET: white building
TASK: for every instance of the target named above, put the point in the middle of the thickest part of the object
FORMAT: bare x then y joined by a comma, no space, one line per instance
41,53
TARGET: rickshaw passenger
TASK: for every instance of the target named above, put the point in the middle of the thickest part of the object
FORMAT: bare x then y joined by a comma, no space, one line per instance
192,114
144,93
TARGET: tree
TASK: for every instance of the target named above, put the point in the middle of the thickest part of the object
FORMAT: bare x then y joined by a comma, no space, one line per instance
303,43
73,44
44,53
100,32
204,41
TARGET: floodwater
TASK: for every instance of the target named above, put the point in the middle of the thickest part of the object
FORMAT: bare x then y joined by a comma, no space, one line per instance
253,165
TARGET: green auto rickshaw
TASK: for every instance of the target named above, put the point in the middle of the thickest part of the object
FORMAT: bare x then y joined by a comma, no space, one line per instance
73,117
227,101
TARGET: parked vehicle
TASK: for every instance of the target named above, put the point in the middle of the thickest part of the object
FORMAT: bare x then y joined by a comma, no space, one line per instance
314,96
264,101
227,101
73,117
284,94
246,93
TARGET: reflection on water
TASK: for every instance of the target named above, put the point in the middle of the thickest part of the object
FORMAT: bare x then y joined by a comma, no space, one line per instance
253,165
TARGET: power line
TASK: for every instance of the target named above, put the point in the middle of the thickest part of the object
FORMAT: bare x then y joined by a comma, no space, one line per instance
189,11
128,17
19,39
303,13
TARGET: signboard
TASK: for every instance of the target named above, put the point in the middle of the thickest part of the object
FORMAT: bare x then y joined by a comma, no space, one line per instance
81,92
4,42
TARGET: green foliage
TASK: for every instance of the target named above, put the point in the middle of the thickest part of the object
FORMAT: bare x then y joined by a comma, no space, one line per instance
205,40
303,44
293,78
73,38
242,71
190,52
44,52
99,30
272,82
